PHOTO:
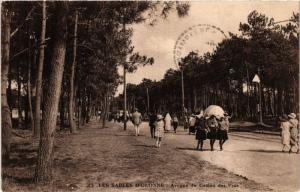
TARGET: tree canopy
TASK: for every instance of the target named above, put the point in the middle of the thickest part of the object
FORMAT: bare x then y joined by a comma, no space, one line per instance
224,76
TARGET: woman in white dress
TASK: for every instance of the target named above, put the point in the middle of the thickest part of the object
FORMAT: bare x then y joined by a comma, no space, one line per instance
285,133
159,130
294,133
168,120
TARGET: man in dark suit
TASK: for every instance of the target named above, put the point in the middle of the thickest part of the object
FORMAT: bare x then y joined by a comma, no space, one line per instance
152,119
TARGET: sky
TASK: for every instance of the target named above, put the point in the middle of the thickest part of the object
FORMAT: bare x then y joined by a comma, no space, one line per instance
158,41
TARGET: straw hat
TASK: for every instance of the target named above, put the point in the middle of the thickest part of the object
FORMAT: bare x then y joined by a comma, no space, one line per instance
292,115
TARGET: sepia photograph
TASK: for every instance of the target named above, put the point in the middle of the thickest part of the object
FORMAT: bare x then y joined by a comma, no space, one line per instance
150,96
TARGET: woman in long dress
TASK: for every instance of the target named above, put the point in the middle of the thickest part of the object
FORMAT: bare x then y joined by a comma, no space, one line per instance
222,133
285,133
168,120
294,133
212,126
201,132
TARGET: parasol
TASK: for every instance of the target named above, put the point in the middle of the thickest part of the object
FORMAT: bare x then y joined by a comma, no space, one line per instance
215,110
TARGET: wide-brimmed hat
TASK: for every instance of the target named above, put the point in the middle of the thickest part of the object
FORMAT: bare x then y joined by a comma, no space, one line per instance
292,115
159,117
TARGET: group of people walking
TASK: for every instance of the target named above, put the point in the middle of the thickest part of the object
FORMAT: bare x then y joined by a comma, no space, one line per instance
157,123
289,133
212,127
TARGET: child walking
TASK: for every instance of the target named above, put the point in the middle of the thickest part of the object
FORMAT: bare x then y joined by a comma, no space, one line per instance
159,130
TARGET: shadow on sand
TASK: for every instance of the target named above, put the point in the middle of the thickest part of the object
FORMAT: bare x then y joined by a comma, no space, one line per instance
149,146
191,149
119,135
264,151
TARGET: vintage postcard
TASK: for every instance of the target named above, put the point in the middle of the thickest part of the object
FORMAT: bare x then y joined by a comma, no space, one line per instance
150,96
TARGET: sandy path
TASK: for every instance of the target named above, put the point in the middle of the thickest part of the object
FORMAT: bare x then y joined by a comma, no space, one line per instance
255,156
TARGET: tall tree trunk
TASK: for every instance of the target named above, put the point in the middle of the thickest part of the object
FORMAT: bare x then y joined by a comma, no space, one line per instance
195,100
204,97
31,126
43,172
71,98
125,102
79,97
263,101
83,107
271,102
101,109
6,125
275,102
296,94
19,97
37,119
280,109
104,111
88,108
62,111
9,91
248,93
